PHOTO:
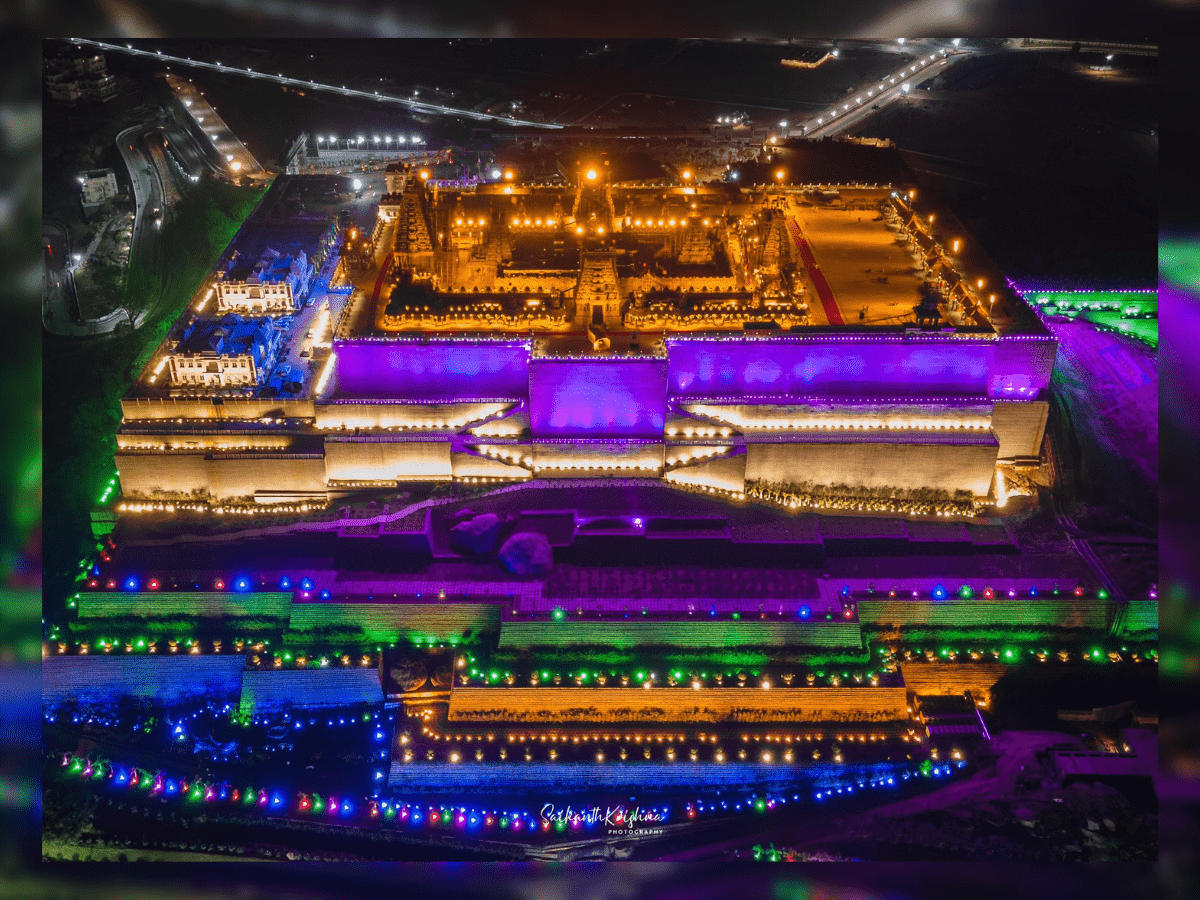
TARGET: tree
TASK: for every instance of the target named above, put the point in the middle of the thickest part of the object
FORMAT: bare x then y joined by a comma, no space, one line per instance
67,808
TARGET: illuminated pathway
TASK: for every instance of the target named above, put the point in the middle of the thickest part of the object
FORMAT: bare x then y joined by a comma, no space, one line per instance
816,275
414,105
238,159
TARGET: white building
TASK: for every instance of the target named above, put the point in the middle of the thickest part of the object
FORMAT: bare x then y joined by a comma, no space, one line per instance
275,284
212,371
72,75
226,352
98,185
64,87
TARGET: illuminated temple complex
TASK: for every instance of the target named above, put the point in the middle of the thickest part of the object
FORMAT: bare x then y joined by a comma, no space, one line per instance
537,472
773,336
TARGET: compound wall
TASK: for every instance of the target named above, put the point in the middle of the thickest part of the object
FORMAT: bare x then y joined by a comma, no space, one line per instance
959,463
222,477
387,458
544,705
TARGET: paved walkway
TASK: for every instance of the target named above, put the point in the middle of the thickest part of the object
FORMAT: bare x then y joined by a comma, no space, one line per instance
100,232
815,275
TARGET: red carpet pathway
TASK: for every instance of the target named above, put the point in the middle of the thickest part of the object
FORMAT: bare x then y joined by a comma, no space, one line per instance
815,274
383,270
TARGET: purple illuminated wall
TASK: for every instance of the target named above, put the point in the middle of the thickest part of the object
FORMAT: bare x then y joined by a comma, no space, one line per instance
628,397
857,366
432,371
597,397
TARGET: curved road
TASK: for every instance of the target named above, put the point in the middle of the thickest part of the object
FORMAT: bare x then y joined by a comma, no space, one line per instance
148,193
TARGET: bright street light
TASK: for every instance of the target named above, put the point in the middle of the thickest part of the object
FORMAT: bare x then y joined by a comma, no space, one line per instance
495,173
357,184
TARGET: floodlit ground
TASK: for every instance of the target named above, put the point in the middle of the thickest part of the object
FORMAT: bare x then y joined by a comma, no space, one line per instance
855,252
1106,411
1110,385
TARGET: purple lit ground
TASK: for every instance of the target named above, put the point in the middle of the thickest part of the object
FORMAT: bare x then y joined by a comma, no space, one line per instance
1108,385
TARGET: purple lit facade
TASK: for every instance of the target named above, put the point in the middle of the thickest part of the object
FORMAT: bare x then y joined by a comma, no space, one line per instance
432,369
1007,368
598,396
594,398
